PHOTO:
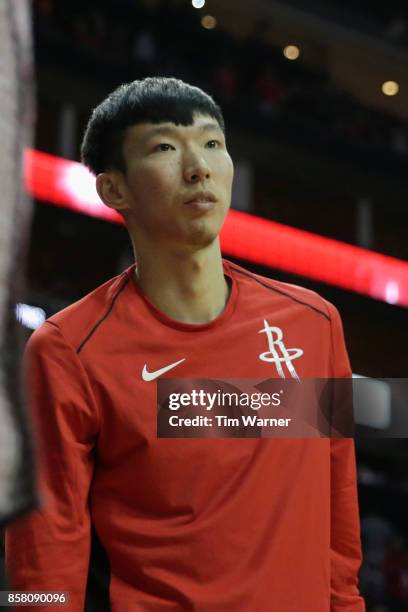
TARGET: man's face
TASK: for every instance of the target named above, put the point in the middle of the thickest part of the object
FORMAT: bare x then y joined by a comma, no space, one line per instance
169,165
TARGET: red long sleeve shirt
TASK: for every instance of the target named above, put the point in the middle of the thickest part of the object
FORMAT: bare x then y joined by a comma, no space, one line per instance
131,522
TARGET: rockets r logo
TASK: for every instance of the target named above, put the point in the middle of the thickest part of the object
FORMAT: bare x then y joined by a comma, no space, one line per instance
286,356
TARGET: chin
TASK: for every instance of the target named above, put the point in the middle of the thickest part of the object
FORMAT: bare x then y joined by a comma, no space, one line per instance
202,240
203,235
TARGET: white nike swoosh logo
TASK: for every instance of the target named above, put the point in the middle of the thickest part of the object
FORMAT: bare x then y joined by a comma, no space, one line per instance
148,376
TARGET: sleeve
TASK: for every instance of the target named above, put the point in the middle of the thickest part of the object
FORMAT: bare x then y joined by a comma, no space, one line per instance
345,548
49,549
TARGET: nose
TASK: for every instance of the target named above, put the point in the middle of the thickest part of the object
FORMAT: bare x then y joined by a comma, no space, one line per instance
196,169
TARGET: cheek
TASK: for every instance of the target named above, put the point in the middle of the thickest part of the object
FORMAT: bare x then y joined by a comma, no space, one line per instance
154,182
226,172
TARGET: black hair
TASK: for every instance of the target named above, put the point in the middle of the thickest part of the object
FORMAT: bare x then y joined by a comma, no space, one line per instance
153,99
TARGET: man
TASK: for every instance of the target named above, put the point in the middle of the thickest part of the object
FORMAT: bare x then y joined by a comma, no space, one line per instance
134,522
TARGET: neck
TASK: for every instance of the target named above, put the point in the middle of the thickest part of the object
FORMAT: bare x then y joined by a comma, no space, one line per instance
188,287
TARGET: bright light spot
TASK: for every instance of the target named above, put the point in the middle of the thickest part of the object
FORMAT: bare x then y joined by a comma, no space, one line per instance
390,88
392,292
198,3
291,52
30,316
80,183
208,22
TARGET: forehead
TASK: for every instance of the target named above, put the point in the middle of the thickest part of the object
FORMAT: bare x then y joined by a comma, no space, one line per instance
139,134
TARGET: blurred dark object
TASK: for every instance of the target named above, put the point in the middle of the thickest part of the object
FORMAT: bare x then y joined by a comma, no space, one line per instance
396,573
17,489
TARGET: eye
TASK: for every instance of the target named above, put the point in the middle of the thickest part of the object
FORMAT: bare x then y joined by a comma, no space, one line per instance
217,143
162,145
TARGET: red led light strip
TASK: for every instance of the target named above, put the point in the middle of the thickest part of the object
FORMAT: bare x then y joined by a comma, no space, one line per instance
69,184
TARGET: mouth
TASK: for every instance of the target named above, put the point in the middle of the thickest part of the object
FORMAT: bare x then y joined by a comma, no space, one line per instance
200,204
202,201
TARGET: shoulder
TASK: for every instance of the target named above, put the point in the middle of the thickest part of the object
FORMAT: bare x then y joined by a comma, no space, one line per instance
304,298
74,323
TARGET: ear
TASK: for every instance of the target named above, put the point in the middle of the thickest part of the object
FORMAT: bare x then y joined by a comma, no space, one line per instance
111,190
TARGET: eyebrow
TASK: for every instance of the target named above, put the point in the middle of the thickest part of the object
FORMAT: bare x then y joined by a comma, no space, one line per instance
206,127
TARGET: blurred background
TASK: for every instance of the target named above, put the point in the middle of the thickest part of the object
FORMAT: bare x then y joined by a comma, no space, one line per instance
315,98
